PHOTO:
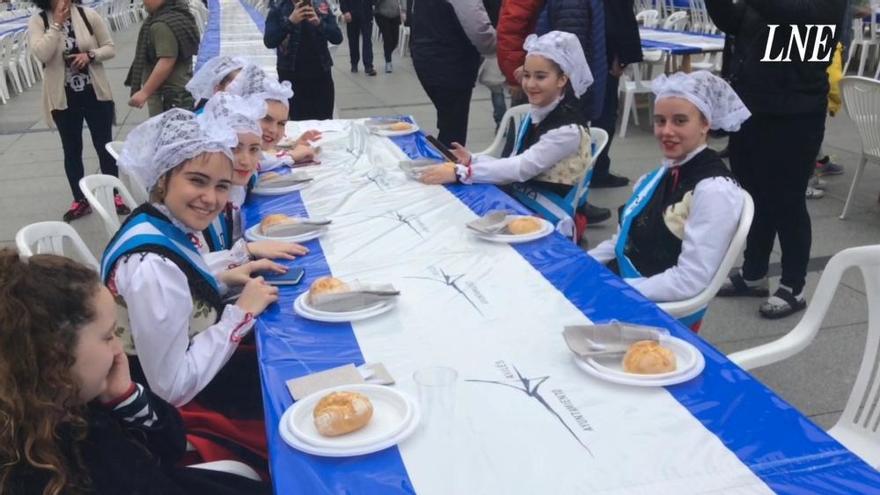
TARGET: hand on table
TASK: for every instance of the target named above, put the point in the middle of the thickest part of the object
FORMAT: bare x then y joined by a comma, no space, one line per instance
256,296
303,153
242,275
277,249
461,153
308,136
439,174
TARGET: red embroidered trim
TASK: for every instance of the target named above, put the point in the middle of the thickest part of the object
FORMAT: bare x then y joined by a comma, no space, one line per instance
237,333
195,240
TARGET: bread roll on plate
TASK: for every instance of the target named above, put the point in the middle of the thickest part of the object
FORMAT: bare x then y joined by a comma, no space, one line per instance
648,357
326,285
524,225
400,126
275,219
339,413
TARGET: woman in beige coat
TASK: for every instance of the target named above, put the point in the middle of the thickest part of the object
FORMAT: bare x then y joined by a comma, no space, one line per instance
72,42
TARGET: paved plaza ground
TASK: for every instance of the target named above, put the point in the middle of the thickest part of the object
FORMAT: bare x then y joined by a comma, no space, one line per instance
817,381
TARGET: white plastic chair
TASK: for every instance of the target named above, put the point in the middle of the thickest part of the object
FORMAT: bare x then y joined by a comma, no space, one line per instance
649,18
634,82
865,37
676,21
511,120
231,467
48,238
98,190
861,96
680,309
137,190
857,427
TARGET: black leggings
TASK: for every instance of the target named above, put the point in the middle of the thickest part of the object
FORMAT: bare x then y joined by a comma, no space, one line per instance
390,29
99,116
773,158
313,96
453,106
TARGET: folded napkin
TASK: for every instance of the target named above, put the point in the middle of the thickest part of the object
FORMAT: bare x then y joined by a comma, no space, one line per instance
374,373
361,296
294,229
611,338
493,222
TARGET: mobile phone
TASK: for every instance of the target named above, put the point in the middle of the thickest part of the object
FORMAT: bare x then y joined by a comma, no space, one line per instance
307,3
441,148
293,276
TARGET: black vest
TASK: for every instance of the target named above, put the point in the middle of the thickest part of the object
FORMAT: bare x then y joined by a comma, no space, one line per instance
566,113
651,247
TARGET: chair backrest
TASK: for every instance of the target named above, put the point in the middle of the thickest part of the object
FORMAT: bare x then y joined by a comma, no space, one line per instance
700,21
599,138
858,424
511,120
676,21
114,148
648,18
98,190
690,306
48,238
861,96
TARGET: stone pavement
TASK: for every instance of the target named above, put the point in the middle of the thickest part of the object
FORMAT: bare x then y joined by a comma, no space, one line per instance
817,381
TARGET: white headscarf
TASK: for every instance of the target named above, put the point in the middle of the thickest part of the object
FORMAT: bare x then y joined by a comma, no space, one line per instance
253,81
242,115
168,140
718,102
203,82
566,51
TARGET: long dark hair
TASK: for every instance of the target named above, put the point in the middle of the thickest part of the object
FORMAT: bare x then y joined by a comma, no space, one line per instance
43,303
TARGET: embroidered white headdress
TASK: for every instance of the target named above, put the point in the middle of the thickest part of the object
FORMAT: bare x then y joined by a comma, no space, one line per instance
566,51
167,141
718,102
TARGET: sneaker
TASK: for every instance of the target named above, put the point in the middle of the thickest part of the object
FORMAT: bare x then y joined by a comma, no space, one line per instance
78,209
354,69
595,214
608,181
824,166
814,193
783,303
370,71
121,209
388,67
817,183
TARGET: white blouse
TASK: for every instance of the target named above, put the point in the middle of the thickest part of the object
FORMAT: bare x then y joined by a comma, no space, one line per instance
712,221
553,146
160,307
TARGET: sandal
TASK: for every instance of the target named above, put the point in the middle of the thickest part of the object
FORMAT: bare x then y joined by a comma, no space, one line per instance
736,286
782,304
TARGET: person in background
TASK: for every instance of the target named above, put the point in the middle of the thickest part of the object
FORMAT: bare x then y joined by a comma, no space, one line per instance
162,66
299,33
490,70
73,419
388,14
72,42
623,46
774,154
213,77
446,41
358,17
516,21
677,226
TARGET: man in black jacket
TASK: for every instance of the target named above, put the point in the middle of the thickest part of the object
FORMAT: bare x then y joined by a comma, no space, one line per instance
358,17
774,153
299,32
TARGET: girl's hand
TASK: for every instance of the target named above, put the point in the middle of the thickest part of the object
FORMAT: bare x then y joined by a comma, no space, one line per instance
277,249
242,275
257,296
308,136
461,153
118,379
439,174
303,153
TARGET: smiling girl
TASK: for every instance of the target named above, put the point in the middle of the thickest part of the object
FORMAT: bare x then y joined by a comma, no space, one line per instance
74,421
180,334
678,224
552,150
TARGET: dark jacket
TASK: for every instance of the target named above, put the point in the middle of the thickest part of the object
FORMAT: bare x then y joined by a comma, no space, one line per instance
586,20
287,38
123,458
442,54
622,32
775,88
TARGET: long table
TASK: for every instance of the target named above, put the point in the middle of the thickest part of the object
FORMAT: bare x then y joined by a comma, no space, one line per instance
495,313
680,43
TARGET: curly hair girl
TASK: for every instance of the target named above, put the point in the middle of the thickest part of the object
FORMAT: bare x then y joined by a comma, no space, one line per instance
43,303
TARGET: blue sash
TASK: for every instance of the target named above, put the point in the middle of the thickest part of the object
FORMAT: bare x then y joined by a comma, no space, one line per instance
636,203
144,230
219,233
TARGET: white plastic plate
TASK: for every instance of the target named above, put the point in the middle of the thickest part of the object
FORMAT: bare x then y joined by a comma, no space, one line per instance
689,359
253,234
302,308
546,229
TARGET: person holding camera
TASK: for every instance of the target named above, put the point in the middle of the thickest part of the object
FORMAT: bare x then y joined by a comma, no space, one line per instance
72,42
299,30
